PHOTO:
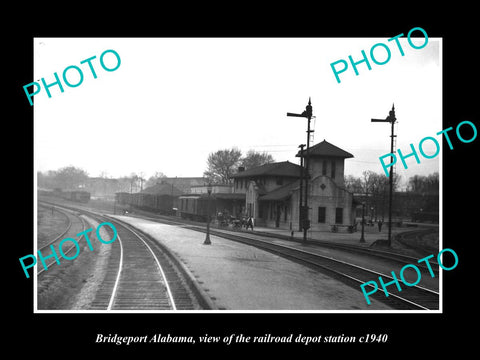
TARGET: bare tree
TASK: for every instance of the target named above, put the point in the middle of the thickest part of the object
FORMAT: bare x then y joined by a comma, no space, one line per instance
104,174
424,184
374,189
222,164
141,179
254,159
70,177
133,182
155,178
354,184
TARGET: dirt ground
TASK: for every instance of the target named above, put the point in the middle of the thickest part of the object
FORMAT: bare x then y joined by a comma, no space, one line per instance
72,284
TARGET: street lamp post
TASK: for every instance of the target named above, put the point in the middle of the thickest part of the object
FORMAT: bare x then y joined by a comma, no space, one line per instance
362,238
207,238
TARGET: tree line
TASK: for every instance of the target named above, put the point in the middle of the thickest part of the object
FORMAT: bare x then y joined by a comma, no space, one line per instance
373,183
221,165
420,196
74,178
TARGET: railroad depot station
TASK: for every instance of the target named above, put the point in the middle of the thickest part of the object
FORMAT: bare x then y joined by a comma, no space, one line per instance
268,268
271,194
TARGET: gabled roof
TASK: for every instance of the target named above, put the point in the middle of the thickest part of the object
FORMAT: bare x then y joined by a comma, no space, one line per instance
224,196
284,168
326,149
281,193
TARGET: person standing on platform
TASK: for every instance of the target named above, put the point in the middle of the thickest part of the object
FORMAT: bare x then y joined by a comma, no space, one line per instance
250,222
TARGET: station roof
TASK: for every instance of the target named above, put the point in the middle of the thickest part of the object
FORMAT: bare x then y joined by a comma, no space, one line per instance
284,168
281,193
325,149
230,196
224,196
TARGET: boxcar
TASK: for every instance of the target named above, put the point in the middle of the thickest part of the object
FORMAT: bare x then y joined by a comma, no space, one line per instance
162,204
79,196
194,207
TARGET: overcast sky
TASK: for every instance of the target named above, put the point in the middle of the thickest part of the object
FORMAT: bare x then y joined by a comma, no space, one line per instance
173,101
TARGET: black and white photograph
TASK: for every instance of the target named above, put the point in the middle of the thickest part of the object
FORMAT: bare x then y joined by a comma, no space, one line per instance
229,180
219,192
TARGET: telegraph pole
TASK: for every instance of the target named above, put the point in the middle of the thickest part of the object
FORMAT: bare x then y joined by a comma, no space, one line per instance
390,119
304,210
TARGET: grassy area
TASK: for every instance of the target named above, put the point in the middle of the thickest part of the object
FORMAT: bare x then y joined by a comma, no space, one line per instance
49,224
429,242
61,286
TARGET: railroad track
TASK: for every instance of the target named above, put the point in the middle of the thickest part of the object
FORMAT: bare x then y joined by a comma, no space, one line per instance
140,282
374,253
412,239
397,258
75,225
410,298
141,275
46,239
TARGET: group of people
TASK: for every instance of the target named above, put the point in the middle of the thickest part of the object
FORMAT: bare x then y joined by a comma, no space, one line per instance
371,223
225,219
248,222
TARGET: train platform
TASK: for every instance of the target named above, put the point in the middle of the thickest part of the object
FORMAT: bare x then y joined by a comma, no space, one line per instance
371,234
239,277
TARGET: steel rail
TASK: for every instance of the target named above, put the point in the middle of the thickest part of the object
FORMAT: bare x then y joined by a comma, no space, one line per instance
293,253
185,294
63,233
421,291
159,266
41,271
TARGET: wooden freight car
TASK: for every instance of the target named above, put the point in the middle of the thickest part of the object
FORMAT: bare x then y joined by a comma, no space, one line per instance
123,198
159,203
79,196
74,195
194,207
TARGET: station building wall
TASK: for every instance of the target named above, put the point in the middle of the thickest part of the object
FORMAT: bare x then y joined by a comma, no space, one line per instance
329,205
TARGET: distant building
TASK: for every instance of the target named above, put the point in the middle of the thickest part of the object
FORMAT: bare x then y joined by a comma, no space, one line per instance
215,189
163,188
184,184
269,193
100,187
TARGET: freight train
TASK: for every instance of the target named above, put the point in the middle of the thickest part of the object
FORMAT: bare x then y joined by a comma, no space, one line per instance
161,204
189,206
195,207
79,196
73,195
